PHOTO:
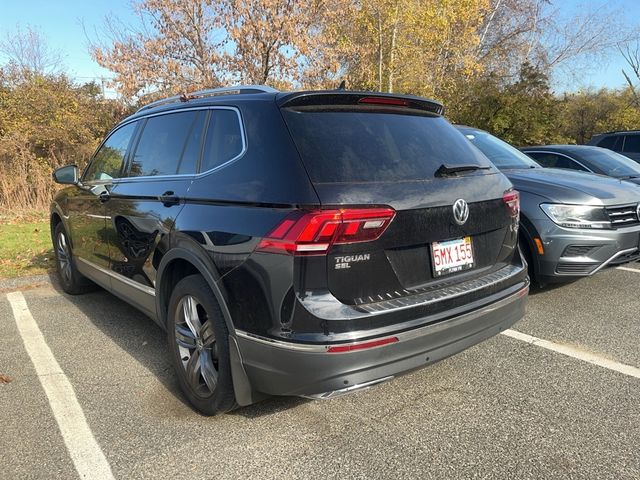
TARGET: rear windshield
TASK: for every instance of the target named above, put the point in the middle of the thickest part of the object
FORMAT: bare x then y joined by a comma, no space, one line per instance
348,146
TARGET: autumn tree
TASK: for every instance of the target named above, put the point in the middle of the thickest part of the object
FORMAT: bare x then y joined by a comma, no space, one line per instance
46,120
268,39
26,53
553,40
417,46
182,45
524,112
176,46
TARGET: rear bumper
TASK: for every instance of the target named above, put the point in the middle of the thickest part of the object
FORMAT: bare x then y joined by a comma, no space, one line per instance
286,368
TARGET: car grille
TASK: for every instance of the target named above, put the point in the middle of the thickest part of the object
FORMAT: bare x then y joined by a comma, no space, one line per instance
575,268
578,250
624,215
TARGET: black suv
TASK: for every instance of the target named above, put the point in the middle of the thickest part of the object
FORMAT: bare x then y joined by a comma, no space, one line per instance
307,243
625,142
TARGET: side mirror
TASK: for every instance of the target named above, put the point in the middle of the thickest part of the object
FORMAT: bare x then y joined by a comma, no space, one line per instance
67,175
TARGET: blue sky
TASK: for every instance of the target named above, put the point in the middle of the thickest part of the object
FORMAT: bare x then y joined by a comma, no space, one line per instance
61,22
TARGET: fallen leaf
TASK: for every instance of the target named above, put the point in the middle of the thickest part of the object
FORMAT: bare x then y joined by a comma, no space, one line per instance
5,378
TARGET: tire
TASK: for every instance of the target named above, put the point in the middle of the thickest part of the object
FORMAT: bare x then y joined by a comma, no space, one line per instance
72,281
198,337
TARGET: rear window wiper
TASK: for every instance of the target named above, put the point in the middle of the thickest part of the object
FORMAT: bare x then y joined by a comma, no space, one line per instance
446,170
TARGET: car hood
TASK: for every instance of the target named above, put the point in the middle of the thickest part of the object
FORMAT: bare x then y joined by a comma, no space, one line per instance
565,186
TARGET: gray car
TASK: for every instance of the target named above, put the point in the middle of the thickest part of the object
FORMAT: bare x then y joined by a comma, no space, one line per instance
585,158
573,224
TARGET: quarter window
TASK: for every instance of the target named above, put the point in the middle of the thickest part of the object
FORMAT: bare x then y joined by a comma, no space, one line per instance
107,162
632,143
169,144
224,139
551,160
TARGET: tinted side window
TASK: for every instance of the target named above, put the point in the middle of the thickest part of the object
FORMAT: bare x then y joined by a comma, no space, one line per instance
107,162
564,162
632,143
617,146
224,139
545,159
608,142
169,144
552,160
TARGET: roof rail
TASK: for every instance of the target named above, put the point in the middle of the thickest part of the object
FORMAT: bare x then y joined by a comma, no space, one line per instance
634,130
211,92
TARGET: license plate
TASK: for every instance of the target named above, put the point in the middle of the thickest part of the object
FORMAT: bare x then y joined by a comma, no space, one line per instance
451,256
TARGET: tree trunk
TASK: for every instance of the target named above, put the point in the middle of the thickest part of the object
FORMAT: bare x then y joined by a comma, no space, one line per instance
379,52
392,52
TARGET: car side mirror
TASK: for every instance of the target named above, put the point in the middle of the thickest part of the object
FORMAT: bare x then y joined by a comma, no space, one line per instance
67,175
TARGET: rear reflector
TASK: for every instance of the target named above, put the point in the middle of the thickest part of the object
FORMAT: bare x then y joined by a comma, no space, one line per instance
361,346
511,199
313,233
384,101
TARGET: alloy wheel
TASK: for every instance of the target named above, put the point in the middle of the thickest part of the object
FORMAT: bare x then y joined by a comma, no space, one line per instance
197,346
64,256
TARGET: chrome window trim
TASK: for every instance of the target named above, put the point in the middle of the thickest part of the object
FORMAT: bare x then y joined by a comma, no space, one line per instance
178,176
554,152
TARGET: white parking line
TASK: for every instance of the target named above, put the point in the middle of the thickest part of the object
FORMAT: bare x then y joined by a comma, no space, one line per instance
628,269
575,353
85,452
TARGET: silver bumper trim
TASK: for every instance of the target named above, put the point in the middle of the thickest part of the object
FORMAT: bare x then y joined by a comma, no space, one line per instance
347,390
403,336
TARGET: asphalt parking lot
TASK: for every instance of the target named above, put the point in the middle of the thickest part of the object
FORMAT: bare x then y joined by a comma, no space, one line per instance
503,409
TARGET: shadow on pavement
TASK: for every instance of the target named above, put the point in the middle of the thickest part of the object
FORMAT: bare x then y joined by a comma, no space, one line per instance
145,341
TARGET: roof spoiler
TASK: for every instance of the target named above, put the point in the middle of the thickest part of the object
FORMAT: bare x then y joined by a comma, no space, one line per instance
346,98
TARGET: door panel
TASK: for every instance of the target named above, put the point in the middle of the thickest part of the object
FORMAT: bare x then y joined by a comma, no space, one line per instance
88,206
138,224
143,206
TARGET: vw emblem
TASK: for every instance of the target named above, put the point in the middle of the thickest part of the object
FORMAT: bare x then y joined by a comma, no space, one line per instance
460,211
638,211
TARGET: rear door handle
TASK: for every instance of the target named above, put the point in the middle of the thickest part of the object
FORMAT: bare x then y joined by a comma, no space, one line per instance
104,196
168,198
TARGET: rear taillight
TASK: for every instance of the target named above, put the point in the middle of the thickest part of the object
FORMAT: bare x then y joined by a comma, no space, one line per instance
313,233
512,201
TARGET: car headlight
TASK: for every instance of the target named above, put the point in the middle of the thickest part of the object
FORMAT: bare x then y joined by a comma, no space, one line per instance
577,216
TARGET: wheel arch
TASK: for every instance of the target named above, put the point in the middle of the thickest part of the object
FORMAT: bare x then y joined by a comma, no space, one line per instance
527,233
178,263
55,218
